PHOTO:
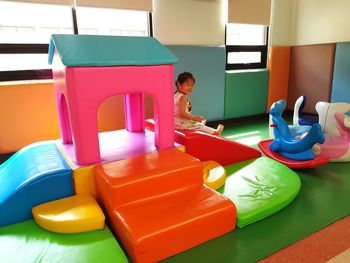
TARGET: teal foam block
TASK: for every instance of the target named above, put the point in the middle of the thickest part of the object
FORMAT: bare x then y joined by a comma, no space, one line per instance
36,174
208,66
246,93
341,76
90,50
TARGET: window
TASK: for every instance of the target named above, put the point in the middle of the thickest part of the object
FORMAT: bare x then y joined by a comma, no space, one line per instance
25,31
246,46
103,21
26,28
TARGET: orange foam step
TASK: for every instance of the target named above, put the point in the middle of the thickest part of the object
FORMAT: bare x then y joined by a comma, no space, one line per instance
129,180
161,227
158,205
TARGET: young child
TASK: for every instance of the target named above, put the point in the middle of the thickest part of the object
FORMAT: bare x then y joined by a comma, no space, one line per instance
183,117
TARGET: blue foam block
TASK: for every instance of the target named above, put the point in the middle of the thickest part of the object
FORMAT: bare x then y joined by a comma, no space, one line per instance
341,76
36,174
208,66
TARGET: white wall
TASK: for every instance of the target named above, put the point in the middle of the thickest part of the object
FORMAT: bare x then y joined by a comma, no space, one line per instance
281,22
189,22
320,21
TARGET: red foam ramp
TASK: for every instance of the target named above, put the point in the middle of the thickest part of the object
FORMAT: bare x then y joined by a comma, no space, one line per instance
207,147
179,135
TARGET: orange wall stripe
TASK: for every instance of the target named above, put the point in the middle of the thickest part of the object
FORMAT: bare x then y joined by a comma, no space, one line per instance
279,61
27,114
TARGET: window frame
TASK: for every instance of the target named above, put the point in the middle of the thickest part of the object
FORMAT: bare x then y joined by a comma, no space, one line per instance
40,74
262,49
25,74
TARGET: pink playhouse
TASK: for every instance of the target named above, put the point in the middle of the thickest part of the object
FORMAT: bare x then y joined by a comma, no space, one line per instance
88,69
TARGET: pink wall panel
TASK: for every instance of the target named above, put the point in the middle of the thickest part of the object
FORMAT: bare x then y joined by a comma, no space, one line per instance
311,74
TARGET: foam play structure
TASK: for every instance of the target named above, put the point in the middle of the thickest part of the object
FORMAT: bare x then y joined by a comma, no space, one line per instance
152,194
301,124
208,147
258,188
327,111
285,145
133,77
152,212
74,214
298,117
27,179
214,175
336,126
87,76
264,146
299,127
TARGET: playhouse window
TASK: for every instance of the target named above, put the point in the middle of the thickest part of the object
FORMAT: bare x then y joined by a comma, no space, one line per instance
246,46
25,30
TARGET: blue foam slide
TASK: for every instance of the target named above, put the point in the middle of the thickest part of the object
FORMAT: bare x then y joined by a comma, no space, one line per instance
36,174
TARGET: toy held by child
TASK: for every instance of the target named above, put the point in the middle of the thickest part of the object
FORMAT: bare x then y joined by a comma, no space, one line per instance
183,107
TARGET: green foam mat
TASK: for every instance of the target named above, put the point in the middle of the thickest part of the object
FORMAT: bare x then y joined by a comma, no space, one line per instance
259,188
27,242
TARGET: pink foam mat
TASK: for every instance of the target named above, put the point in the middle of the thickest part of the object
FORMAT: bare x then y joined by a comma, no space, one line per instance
117,145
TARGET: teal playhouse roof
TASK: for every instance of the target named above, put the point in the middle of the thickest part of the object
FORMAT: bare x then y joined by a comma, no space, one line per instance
93,50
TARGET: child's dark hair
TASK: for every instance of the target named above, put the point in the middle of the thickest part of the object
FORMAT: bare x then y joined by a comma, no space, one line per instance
183,77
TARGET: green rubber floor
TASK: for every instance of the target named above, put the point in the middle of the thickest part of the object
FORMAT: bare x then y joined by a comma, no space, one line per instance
323,199
26,242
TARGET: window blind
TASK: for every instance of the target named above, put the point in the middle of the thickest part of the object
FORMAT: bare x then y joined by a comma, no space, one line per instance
142,5
249,12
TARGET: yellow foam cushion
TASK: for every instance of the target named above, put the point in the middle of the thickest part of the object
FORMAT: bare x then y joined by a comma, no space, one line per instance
181,148
74,214
214,175
84,183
